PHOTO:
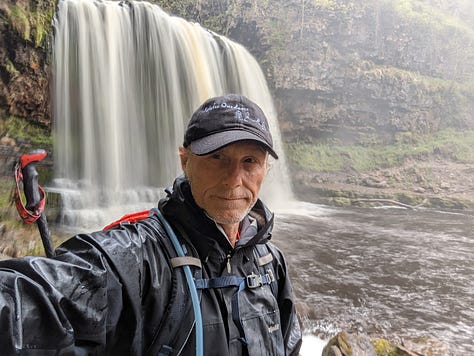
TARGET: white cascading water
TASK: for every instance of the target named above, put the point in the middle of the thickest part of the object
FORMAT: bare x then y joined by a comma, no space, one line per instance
127,77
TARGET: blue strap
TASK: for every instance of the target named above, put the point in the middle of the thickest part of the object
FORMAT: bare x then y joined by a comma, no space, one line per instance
236,314
192,289
251,281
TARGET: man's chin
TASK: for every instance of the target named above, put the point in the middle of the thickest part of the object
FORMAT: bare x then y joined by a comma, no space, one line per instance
229,218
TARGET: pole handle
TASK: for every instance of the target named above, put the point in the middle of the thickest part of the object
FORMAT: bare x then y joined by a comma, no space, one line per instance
30,177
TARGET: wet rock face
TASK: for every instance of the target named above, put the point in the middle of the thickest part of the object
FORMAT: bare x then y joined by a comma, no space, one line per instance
24,68
28,95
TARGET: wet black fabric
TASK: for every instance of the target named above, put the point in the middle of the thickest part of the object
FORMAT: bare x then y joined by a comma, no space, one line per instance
105,293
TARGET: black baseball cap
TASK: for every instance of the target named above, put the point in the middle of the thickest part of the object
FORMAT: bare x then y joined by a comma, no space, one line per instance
226,119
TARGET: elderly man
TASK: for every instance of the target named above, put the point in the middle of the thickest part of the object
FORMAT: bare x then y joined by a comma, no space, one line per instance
122,291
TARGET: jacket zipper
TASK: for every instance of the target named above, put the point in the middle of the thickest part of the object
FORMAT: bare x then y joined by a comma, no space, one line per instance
229,268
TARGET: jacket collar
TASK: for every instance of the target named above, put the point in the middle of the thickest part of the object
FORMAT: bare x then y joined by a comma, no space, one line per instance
192,222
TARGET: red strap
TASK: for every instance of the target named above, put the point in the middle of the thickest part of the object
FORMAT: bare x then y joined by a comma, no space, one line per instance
131,218
29,217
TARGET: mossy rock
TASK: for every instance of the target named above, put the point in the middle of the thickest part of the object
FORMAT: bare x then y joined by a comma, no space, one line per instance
384,347
345,344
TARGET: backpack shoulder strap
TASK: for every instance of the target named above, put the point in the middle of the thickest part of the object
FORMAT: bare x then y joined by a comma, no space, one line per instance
129,218
177,322
265,263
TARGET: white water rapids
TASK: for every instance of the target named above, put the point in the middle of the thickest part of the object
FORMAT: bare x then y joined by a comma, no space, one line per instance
127,77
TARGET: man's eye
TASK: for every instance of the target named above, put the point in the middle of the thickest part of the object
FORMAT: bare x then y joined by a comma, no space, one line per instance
250,160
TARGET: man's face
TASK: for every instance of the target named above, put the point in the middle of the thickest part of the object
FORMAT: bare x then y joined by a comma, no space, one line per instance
226,183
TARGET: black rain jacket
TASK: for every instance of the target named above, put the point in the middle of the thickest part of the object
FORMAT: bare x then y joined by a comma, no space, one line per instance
106,293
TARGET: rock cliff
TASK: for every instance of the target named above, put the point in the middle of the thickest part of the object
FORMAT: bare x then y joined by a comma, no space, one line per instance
24,49
344,74
355,81
347,69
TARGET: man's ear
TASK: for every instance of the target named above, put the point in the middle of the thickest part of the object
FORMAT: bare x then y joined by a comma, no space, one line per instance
183,157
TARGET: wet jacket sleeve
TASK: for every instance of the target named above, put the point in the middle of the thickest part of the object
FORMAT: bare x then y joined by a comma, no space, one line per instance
290,325
89,297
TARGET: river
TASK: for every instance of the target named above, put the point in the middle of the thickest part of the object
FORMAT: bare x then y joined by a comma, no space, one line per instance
384,272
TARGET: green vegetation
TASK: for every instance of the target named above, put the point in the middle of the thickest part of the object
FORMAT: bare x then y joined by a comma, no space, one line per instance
32,24
10,67
445,33
18,19
450,96
6,188
22,129
427,15
424,81
458,145
26,136
42,25
383,347
335,5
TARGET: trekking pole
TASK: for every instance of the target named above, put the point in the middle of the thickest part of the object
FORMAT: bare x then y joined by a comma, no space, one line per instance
25,171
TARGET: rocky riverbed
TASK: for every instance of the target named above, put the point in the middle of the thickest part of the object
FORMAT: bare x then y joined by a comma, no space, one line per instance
434,183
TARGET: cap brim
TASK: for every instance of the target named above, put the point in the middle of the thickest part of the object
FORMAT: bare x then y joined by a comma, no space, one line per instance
211,143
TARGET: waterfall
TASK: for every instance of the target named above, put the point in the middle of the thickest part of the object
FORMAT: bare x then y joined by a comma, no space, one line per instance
127,77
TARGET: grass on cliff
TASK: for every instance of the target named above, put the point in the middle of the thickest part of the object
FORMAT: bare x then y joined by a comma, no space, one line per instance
20,129
31,20
456,145
428,15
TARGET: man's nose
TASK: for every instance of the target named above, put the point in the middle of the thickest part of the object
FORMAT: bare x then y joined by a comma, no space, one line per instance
233,174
